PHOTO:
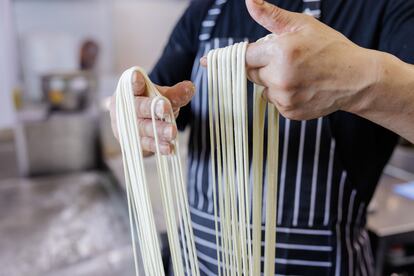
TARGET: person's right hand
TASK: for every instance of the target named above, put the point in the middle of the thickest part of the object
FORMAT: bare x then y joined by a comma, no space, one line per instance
309,70
179,96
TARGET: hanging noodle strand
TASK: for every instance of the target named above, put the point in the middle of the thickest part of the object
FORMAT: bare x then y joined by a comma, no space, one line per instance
238,207
173,189
239,248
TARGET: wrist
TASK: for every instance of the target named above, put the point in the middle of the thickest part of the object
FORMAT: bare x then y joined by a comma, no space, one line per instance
372,70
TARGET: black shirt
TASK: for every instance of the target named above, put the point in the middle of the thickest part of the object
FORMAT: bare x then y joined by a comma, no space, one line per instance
329,167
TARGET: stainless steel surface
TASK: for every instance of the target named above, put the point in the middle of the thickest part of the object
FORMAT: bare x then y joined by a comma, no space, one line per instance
392,221
62,143
393,213
69,91
63,225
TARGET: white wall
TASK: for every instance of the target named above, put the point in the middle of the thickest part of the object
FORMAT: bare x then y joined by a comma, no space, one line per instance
141,29
8,72
51,33
130,32
79,19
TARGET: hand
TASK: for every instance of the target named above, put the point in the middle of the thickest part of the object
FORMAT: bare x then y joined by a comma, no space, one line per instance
308,69
179,96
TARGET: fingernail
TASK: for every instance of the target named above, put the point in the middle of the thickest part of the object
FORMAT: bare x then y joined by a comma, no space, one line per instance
191,89
160,109
137,82
168,133
188,93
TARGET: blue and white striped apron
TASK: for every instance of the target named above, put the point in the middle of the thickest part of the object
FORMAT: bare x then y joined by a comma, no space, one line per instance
321,216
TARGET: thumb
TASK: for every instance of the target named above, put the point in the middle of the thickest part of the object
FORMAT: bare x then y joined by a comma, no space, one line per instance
179,94
273,18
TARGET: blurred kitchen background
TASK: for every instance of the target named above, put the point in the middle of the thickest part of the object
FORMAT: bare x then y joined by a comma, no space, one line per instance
62,205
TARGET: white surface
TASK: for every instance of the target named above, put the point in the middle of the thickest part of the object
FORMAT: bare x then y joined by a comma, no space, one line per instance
141,29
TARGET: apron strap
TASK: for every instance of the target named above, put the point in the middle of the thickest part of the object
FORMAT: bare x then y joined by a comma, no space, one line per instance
209,22
312,8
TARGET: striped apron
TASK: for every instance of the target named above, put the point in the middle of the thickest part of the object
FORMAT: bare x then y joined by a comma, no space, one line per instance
320,216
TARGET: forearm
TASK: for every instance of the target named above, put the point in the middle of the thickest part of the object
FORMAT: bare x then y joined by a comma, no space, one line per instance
389,101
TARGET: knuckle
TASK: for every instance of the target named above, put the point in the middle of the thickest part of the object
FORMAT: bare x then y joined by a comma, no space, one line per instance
283,80
143,127
293,54
287,102
167,131
270,47
292,115
271,97
165,148
298,112
147,144
143,106
273,48
287,85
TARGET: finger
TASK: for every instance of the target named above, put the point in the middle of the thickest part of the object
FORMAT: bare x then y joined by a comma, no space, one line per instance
166,132
258,54
143,108
255,76
138,84
273,18
179,94
148,144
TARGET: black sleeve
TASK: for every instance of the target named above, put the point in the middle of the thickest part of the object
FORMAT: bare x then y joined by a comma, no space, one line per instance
365,146
397,36
176,62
